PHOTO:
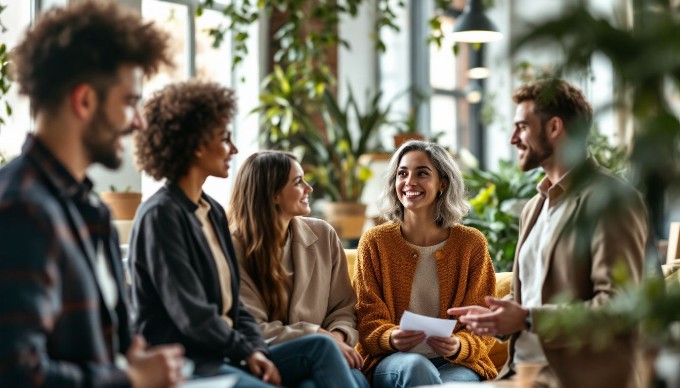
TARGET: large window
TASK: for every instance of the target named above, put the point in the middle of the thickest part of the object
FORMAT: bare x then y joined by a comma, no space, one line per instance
435,73
444,82
196,57
16,18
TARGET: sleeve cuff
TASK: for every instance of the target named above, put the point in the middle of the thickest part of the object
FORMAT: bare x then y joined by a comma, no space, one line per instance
464,351
351,335
310,328
385,340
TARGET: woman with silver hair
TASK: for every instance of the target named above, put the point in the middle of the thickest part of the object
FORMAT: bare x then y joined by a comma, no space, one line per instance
422,260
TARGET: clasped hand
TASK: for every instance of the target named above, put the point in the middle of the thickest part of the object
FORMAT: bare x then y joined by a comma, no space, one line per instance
353,357
502,317
263,368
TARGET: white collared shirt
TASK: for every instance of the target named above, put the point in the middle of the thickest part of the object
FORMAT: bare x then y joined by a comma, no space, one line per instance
532,257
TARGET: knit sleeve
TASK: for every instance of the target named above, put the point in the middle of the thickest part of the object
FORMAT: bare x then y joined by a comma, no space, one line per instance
474,349
374,321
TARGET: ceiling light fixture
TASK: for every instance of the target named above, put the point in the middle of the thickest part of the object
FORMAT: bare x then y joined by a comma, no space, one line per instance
473,26
478,72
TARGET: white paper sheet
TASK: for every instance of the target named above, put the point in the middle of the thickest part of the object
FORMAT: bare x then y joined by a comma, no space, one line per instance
433,327
224,381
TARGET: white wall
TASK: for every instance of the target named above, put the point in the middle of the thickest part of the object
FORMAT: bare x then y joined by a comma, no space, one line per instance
499,87
127,176
357,67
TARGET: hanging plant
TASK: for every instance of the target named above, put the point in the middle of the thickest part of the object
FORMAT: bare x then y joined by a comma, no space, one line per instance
5,82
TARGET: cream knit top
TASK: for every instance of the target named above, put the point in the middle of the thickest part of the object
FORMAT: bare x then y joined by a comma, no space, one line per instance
383,279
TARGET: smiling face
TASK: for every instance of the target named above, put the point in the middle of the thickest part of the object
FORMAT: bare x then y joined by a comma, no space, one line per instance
293,199
117,115
418,183
214,156
530,138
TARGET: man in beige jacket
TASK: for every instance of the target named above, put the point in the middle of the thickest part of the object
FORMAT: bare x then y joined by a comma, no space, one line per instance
583,222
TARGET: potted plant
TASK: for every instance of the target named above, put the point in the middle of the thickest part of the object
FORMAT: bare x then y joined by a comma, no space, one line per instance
407,130
123,204
498,199
333,158
329,138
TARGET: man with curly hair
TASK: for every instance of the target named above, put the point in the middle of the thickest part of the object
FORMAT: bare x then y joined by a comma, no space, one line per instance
185,274
63,320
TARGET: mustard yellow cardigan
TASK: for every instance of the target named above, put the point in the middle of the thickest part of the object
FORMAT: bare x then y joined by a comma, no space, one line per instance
383,277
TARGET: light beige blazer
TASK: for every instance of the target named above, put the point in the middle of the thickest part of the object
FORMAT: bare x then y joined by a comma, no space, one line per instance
322,293
580,259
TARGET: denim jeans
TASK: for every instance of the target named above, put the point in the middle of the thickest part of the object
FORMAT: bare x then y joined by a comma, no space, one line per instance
412,369
309,361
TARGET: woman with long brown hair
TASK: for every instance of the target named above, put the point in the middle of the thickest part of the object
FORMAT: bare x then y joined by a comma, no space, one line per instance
294,280
185,279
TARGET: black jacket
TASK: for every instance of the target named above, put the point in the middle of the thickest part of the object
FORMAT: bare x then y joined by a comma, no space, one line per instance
55,329
176,288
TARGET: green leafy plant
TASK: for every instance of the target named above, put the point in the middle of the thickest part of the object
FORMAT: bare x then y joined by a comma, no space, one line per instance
5,82
297,39
301,45
612,157
409,124
331,155
285,102
114,189
650,306
496,203
645,58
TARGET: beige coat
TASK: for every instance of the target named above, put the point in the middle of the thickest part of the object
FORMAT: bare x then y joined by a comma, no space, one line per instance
322,293
580,262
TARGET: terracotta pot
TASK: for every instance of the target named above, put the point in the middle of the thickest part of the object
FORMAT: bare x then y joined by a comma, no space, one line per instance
123,205
347,218
402,138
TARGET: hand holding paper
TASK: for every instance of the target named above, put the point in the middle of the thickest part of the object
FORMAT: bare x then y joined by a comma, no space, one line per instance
432,327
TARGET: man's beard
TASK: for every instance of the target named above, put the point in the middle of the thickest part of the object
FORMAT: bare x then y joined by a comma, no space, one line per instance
100,141
535,157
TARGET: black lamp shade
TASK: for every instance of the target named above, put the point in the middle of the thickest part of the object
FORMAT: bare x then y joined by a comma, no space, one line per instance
473,26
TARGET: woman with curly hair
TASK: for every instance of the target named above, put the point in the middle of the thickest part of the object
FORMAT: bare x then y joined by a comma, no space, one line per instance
423,261
185,276
294,277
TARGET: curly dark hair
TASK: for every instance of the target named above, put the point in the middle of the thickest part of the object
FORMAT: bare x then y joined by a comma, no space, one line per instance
555,97
181,117
84,43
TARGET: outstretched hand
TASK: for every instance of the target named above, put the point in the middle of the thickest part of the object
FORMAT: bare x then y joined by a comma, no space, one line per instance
502,317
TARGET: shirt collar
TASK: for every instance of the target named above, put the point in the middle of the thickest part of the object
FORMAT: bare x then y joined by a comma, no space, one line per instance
178,193
554,191
202,209
55,171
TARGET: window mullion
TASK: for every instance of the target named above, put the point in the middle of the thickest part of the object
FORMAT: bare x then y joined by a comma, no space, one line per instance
191,40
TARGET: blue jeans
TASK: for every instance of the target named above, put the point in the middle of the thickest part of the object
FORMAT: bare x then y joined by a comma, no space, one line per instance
412,369
309,361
